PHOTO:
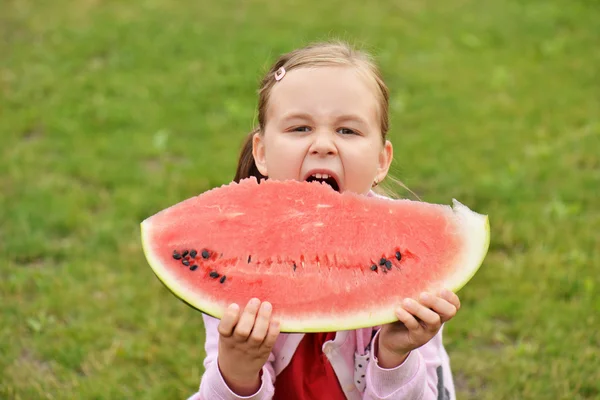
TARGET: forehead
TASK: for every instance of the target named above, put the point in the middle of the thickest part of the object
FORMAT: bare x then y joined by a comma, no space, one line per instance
325,91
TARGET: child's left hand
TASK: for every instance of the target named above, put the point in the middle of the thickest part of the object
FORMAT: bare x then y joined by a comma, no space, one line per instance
418,323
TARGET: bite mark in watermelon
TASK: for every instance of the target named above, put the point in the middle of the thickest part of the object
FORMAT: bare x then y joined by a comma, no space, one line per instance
326,261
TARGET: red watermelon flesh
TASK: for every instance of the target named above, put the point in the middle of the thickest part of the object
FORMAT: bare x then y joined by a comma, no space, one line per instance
326,261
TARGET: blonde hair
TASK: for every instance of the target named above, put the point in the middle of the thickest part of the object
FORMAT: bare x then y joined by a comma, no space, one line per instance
324,54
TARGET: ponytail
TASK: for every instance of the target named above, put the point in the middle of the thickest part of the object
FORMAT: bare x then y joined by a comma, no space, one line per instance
246,165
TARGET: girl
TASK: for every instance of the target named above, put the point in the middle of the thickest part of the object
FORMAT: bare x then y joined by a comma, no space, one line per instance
323,114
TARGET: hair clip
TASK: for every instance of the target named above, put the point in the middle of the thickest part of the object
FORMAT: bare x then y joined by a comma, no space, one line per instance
279,74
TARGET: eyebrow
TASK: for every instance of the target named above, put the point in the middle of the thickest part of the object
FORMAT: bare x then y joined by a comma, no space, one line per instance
352,118
296,115
343,117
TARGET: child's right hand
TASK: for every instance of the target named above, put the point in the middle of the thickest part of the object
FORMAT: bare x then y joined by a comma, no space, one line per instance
245,342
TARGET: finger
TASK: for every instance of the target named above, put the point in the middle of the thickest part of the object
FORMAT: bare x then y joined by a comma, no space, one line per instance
451,297
442,307
229,319
430,318
246,323
261,325
272,334
407,319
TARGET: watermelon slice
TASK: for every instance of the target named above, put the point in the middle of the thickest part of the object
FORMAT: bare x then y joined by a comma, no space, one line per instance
326,261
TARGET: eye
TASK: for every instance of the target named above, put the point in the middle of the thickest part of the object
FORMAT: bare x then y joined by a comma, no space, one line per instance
301,129
347,131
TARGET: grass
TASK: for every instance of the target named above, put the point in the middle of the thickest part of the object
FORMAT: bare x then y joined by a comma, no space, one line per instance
111,111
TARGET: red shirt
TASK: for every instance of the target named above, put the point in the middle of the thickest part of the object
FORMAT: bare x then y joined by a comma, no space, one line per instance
309,375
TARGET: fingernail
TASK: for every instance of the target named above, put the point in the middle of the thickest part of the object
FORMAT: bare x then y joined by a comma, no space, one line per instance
408,302
425,296
266,306
254,302
234,307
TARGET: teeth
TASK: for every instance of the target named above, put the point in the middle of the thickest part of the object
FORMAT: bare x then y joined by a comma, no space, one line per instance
321,176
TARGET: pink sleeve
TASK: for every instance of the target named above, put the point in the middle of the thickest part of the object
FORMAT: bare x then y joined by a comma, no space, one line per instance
212,385
424,375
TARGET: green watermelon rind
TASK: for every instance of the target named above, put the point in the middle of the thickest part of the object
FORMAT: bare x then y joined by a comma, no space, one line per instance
479,232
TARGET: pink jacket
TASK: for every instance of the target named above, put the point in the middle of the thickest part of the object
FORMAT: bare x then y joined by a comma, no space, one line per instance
425,375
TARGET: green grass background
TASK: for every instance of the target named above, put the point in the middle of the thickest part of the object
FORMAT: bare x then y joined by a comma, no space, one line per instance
113,110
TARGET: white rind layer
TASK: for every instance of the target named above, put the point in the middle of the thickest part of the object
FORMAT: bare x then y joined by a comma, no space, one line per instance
477,235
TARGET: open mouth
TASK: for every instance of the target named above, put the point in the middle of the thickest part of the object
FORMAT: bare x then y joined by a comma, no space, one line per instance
324,178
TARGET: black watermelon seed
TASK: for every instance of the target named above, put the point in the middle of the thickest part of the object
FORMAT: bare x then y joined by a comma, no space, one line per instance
382,261
193,267
398,256
373,267
193,253
362,376
176,255
294,266
359,365
222,279
249,259
388,264
358,382
186,263
205,254
214,274
185,253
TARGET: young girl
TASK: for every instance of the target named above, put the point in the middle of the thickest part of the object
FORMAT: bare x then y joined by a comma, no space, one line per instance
323,114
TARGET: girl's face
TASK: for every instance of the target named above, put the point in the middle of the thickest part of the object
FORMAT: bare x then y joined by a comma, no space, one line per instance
323,121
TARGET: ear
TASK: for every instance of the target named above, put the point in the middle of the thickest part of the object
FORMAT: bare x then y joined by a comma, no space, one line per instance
258,152
385,160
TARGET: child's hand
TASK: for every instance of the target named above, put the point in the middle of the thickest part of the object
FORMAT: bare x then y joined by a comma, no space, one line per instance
418,323
245,343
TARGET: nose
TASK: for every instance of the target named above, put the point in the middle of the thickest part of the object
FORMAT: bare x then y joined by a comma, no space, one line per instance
323,144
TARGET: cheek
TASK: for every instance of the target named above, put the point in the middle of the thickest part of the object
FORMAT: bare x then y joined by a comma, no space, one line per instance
284,159
362,160
360,166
